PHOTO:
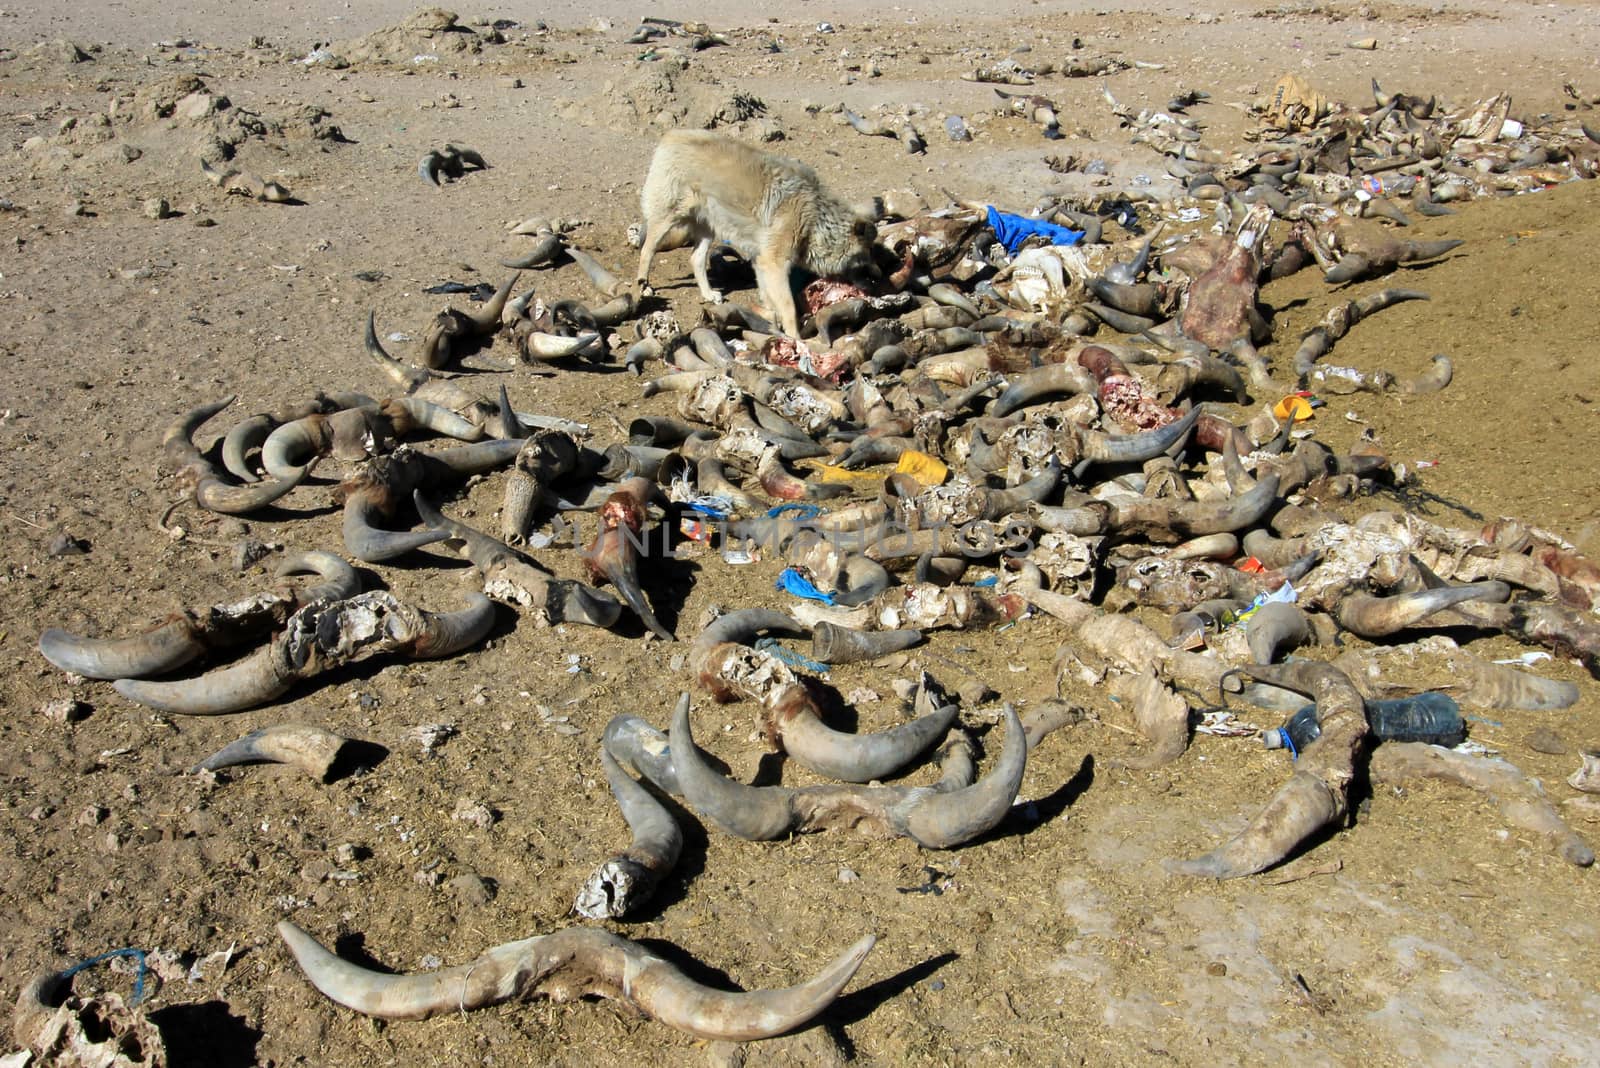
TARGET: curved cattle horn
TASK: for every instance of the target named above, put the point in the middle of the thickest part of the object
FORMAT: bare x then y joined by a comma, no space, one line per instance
443,634
952,297
169,645
372,544
632,741
1351,265
1427,250
945,820
660,430
863,579
1274,626
1184,374
1119,320
833,644
507,425
1272,551
1036,489
487,319
309,436
1056,378
476,458
540,345
1317,793
739,626
1299,808
1497,686
627,880
236,446
676,382
870,452
1521,800
574,963
255,680
1135,298
163,648
1129,272
178,439
1197,517
603,280
1378,617
1136,448
311,749
439,419
1438,375
856,757
626,460
543,251
317,638
210,492
405,375
584,604
214,495
754,813
619,563
339,579
614,553
563,601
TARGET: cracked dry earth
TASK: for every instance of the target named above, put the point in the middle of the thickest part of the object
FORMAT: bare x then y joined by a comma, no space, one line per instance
1426,932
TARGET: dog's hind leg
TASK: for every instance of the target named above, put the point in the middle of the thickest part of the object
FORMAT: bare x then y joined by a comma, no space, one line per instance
653,237
661,238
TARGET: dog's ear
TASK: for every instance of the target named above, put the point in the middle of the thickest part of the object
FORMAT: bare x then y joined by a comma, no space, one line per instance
872,210
865,230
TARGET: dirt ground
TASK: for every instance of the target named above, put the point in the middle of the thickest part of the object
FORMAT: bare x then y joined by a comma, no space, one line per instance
1431,932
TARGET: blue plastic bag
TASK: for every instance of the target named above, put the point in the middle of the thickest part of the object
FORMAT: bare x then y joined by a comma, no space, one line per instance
1013,230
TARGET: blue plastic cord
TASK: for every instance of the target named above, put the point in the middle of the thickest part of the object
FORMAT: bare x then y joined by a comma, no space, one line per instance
807,511
793,659
138,981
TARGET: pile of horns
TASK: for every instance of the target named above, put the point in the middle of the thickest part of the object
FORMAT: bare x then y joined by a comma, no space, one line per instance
1050,432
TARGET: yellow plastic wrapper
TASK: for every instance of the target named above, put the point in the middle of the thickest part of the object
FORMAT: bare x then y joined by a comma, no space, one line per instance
1293,405
928,470
830,473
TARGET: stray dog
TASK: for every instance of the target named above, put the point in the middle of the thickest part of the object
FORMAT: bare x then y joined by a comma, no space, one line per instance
775,212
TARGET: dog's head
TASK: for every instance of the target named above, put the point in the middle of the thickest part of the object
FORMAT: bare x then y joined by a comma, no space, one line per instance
849,249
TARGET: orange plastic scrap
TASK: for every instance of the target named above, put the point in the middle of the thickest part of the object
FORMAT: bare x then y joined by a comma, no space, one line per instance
1296,404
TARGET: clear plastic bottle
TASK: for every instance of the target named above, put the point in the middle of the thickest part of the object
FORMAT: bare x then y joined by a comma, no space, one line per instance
1389,184
1430,717
956,127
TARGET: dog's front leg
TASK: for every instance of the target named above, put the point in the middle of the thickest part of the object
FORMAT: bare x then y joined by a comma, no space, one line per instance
772,279
700,260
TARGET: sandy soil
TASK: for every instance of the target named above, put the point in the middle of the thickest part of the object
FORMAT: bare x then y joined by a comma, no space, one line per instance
1434,934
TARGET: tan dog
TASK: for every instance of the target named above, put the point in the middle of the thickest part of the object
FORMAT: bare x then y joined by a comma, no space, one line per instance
704,187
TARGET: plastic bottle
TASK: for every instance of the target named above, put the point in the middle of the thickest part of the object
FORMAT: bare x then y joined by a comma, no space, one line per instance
1388,185
1434,718
956,127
